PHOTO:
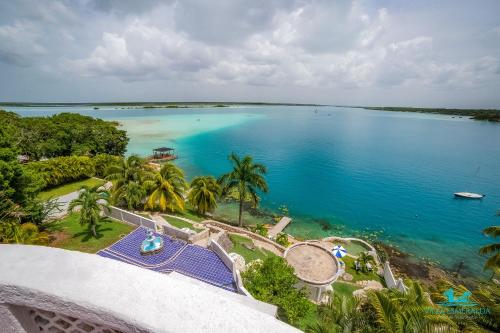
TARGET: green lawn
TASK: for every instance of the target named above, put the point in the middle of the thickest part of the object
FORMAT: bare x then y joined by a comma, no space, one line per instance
344,289
191,214
70,235
359,276
249,255
178,223
353,247
68,188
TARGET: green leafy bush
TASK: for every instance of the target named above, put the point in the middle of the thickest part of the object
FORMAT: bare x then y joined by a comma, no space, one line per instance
61,170
273,281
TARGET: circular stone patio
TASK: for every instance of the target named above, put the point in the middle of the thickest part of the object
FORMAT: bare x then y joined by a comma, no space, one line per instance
313,264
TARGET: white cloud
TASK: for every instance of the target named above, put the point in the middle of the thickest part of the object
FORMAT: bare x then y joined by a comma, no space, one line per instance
314,44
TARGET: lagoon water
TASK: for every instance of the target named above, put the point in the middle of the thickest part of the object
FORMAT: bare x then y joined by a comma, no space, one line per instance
344,169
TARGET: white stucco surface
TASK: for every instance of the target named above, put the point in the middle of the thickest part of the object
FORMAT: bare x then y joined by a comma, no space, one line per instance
106,291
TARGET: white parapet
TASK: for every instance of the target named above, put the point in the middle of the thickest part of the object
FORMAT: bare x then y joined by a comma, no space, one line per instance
41,286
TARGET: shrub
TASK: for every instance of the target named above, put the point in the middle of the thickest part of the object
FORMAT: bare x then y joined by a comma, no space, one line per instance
273,281
102,162
61,170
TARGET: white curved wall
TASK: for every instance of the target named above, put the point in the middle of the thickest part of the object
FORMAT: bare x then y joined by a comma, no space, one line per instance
121,296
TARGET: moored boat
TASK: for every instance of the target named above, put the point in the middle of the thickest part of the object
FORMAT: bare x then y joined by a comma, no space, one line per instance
469,195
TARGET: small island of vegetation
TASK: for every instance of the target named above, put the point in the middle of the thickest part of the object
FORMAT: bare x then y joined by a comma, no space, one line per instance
476,114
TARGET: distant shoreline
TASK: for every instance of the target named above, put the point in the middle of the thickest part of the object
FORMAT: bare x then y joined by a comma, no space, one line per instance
492,115
153,104
476,114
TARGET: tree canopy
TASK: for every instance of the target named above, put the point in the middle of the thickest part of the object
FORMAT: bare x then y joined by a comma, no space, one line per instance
62,134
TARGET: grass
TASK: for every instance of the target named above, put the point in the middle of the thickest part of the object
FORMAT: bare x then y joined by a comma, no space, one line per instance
344,289
239,247
353,247
70,235
360,275
68,188
178,223
228,212
190,213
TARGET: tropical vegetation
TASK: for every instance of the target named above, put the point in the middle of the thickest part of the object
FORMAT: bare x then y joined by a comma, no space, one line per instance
91,202
246,179
63,134
273,281
204,193
493,250
167,189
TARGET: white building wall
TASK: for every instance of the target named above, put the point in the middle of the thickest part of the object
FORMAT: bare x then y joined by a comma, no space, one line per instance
117,295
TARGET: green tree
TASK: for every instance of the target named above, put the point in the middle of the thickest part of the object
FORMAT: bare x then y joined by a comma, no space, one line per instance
91,201
493,250
203,194
282,239
246,179
129,177
364,258
273,281
132,194
341,314
167,189
260,229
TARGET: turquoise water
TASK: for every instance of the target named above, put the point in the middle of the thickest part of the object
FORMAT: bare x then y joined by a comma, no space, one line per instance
356,170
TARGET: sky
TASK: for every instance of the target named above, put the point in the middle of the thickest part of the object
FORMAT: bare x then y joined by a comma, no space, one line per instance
394,53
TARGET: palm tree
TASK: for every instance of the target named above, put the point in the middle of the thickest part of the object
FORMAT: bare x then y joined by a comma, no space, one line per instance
91,201
168,188
406,312
132,194
128,178
246,179
364,258
130,169
340,314
204,193
493,262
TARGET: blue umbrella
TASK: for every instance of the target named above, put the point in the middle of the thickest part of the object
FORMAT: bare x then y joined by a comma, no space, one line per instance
339,251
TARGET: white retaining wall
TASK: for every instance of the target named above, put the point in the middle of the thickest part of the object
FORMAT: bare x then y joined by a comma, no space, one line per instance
391,281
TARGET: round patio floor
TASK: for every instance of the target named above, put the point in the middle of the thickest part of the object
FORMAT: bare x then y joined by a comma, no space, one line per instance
312,263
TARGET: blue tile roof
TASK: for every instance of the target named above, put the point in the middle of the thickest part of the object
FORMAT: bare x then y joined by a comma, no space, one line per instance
187,259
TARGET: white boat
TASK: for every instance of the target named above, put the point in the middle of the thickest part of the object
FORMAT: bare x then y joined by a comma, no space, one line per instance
469,195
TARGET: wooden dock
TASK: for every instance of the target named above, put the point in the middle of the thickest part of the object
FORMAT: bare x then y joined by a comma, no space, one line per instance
276,229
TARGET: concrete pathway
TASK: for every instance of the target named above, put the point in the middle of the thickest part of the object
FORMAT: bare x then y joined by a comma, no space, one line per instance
64,201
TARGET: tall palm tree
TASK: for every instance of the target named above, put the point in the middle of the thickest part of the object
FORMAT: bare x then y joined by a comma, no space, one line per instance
493,262
91,201
128,177
132,194
167,189
406,312
204,193
246,179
